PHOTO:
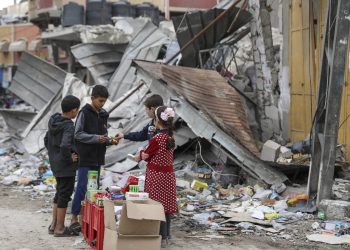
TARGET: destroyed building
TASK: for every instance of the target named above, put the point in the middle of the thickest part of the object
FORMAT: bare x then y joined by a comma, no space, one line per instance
244,99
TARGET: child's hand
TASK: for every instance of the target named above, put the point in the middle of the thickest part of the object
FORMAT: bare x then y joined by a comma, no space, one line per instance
74,157
119,136
114,141
144,156
137,158
103,139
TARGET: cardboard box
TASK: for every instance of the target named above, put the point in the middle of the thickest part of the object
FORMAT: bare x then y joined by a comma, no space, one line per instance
138,226
115,241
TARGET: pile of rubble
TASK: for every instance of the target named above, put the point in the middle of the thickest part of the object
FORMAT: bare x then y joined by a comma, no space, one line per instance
210,211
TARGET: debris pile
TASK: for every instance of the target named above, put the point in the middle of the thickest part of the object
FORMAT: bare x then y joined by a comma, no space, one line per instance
29,172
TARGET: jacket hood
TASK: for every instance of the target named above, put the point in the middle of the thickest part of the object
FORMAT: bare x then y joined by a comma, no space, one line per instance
57,122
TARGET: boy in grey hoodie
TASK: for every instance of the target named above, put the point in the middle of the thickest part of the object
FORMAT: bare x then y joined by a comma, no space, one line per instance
59,141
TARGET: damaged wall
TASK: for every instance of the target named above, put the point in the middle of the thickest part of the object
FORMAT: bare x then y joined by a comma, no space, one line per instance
266,71
284,100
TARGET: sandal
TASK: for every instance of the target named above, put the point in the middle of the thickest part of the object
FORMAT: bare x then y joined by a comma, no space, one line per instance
66,233
50,231
75,227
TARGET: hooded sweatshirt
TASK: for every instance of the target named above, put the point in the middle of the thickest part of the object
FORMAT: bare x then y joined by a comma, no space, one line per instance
59,141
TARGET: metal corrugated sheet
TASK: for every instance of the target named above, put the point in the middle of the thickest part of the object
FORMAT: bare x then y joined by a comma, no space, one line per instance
191,24
145,45
101,59
36,81
17,120
209,92
200,120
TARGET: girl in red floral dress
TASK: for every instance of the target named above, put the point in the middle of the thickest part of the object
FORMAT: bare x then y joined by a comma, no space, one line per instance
160,180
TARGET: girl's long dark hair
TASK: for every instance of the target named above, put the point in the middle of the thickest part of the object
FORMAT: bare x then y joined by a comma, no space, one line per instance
170,142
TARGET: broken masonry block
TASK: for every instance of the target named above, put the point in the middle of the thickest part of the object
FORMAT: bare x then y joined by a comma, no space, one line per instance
270,151
335,209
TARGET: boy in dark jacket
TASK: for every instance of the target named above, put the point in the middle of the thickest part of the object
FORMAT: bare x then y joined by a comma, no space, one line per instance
151,104
91,140
59,141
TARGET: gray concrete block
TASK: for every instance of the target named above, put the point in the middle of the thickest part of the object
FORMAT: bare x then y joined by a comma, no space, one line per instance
270,151
335,209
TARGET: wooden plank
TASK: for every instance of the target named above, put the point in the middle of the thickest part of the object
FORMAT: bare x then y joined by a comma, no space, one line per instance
302,87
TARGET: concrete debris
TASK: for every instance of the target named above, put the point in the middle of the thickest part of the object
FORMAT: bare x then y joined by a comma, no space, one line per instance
105,33
270,151
329,239
341,189
335,209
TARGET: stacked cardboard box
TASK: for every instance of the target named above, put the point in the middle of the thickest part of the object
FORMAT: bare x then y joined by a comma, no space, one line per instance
138,227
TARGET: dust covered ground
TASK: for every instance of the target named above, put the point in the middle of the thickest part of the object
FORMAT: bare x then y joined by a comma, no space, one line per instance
24,223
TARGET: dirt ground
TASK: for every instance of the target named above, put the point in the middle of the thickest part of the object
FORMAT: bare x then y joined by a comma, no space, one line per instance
24,223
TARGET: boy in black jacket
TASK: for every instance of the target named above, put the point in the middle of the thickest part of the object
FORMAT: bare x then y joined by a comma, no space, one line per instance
91,141
151,104
59,140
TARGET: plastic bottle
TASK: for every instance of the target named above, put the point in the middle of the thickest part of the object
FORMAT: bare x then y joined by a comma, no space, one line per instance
141,184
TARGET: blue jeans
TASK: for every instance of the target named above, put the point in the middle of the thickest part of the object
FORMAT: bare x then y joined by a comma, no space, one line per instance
80,191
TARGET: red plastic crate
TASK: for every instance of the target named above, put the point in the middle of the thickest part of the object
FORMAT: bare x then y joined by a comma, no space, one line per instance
96,233
88,211
98,217
85,230
86,226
